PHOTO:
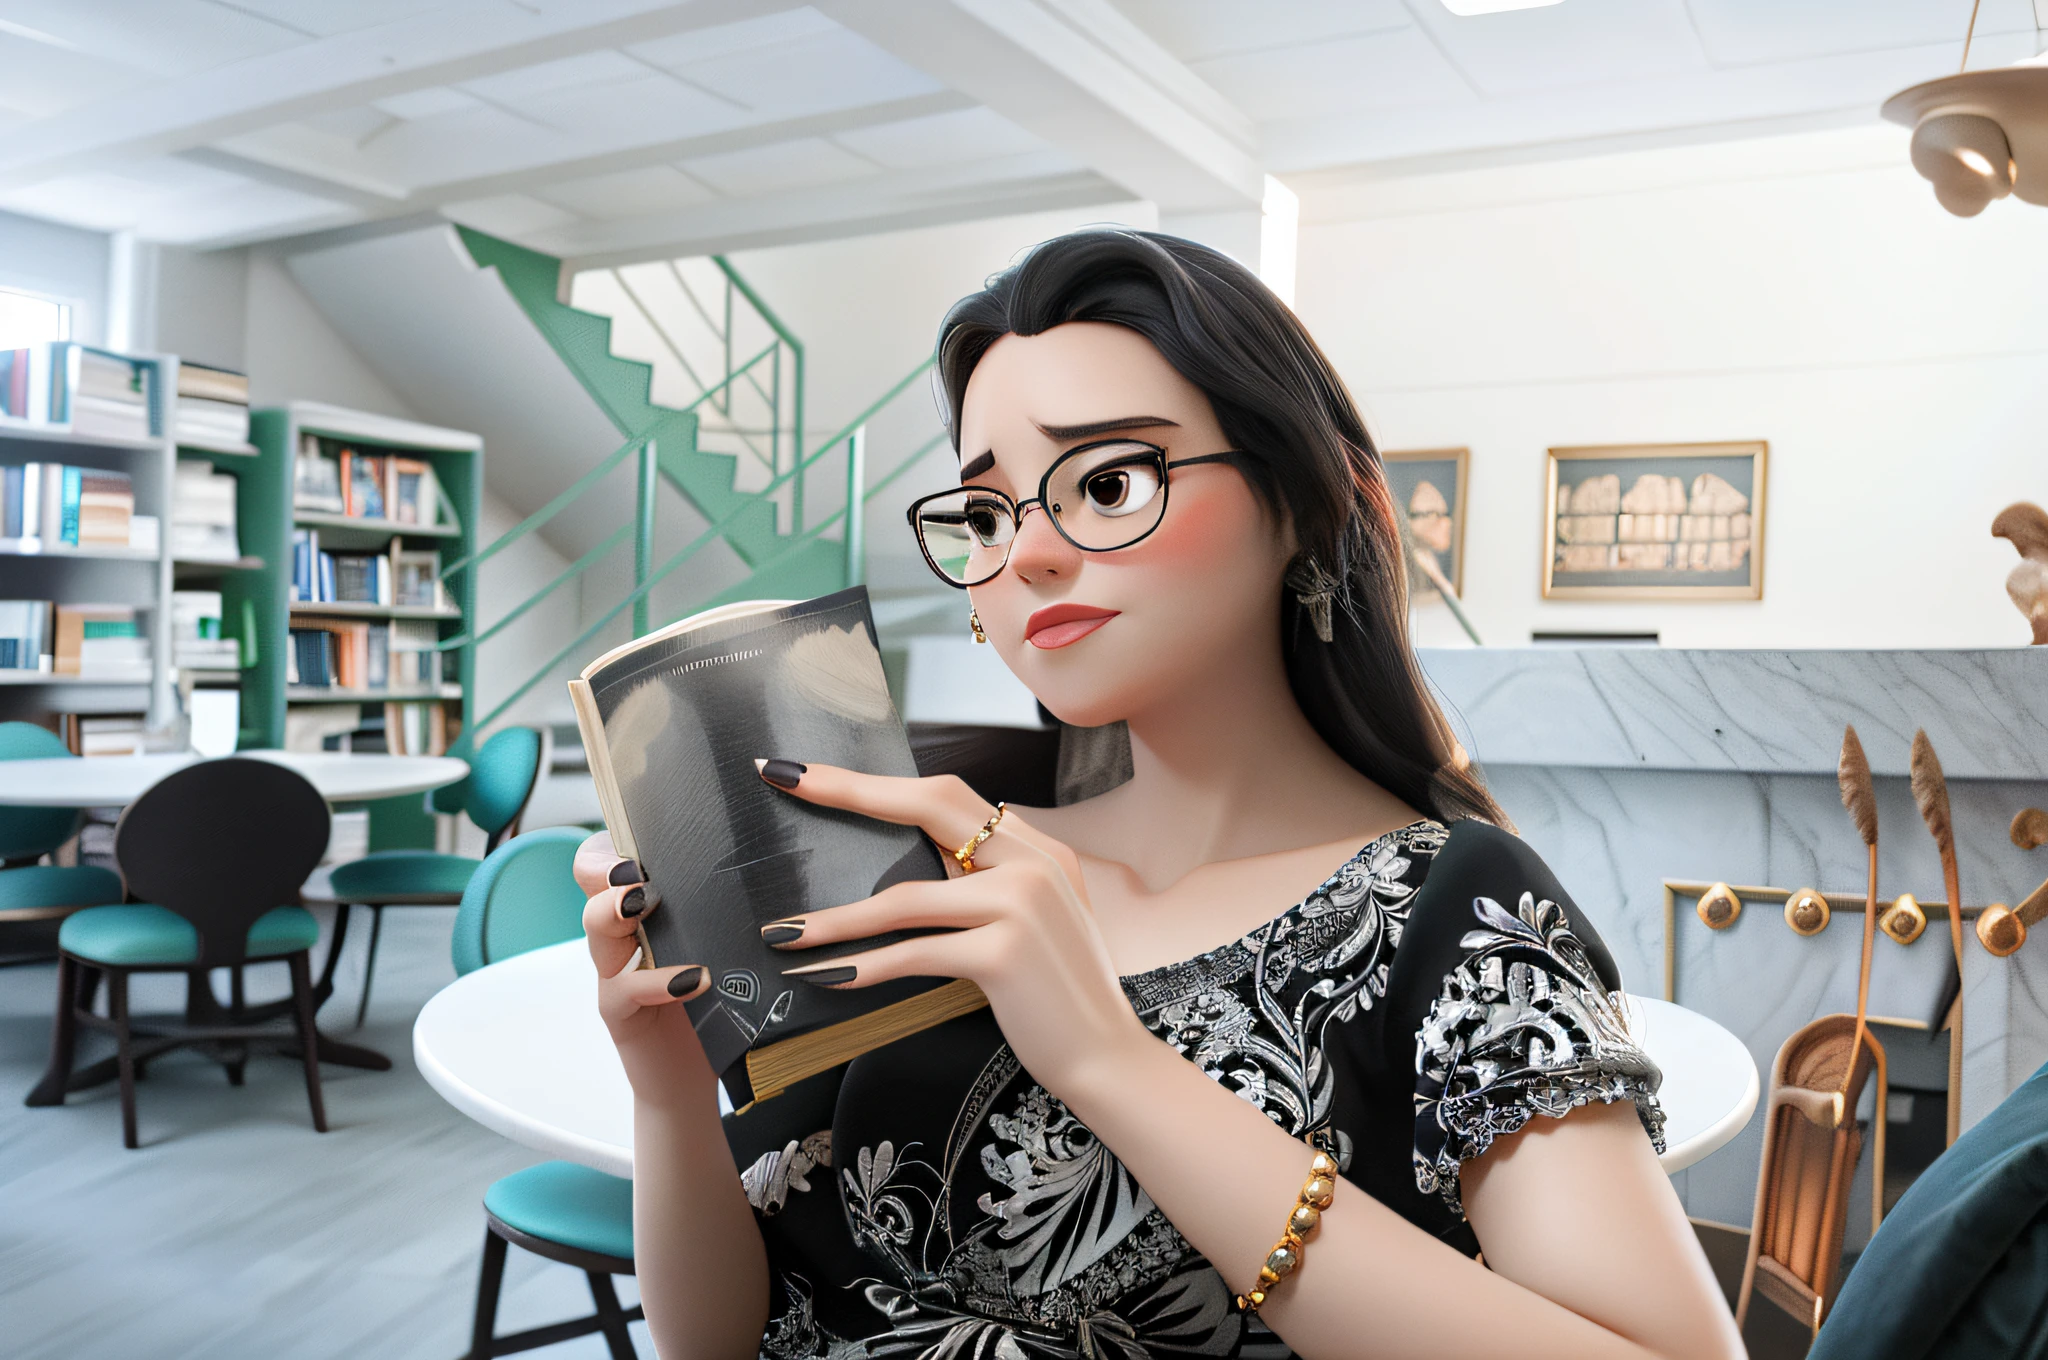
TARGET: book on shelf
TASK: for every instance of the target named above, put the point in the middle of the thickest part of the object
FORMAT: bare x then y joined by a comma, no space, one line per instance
416,580
102,734
100,641
199,639
203,523
340,653
337,478
316,478
101,394
673,723
415,658
58,505
416,729
362,485
213,404
320,577
25,635
25,383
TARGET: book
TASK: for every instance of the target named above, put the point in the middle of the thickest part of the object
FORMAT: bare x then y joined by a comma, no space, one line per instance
409,495
316,478
362,485
199,640
24,635
105,641
209,383
203,520
673,723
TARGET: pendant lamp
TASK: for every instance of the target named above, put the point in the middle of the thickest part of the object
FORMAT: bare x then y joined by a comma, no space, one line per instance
1980,135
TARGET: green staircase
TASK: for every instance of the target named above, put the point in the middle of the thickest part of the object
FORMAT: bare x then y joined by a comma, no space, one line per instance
791,560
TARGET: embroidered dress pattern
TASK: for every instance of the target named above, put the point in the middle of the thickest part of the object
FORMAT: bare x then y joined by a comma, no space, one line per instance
1062,1255
1523,1027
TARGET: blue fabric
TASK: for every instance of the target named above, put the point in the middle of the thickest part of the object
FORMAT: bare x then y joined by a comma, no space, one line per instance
566,1203
1960,1268
401,875
144,935
524,897
32,832
51,885
501,775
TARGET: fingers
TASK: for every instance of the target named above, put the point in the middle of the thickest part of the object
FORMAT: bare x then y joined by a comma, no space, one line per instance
660,986
947,956
599,866
941,806
611,923
906,906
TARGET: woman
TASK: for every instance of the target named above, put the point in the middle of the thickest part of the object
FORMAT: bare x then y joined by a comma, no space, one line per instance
1102,1164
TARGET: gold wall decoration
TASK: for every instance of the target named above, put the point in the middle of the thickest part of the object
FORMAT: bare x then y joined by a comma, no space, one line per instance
1807,912
1719,907
1429,484
1655,521
1903,920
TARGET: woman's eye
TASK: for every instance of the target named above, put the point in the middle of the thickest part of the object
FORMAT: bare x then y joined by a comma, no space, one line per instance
987,523
1120,491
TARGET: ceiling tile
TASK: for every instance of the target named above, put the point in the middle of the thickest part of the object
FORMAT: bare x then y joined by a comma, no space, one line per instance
568,73
1197,29
650,107
814,74
1376,71
800,164
351,125
431,102
628,193
39,79
707,44
458,146
161,37
325,17
1748,32
941,139
508,214
1570,46
246,209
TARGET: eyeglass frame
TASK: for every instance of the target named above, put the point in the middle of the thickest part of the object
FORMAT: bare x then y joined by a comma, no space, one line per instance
1166,465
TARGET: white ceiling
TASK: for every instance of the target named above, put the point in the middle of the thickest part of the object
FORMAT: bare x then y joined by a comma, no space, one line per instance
617,129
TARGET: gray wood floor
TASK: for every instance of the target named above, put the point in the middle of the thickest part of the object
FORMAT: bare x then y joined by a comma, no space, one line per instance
235,1230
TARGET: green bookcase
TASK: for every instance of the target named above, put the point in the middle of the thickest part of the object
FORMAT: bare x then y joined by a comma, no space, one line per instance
267,519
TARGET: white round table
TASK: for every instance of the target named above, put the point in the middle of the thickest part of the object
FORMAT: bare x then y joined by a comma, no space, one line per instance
116,781
518,1047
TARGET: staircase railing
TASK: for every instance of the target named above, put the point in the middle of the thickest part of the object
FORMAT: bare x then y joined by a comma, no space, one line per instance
851,441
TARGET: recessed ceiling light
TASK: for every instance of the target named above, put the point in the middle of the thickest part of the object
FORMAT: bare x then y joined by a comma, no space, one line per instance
1465,9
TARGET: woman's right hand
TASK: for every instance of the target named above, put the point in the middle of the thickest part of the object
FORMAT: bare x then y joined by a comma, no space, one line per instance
664,1061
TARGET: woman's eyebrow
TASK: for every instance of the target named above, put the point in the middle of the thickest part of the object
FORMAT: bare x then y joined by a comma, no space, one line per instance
1062,433
980,463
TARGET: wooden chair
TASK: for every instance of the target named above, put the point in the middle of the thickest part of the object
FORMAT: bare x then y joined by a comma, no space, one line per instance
1811,1142
502,777
217,852
30,890
524,896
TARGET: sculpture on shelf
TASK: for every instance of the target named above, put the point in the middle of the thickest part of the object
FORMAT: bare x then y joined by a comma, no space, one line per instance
2025,526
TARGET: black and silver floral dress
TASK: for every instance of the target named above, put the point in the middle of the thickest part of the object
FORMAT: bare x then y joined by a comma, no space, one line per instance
931,1200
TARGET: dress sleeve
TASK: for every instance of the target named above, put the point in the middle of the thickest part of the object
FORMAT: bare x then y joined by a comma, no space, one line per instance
1512,1004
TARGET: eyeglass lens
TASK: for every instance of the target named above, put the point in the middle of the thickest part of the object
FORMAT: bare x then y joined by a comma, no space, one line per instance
1102,497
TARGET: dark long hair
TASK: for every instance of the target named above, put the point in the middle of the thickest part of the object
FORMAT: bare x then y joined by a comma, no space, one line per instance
1308,457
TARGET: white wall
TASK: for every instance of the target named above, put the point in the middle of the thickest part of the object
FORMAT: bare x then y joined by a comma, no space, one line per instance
1801,290
60,262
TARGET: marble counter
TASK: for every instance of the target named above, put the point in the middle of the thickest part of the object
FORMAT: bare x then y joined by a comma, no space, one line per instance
1626,767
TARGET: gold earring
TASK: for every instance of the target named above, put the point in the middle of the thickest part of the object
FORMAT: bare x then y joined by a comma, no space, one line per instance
974,623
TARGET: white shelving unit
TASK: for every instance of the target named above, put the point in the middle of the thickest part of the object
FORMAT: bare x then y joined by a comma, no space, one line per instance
99,574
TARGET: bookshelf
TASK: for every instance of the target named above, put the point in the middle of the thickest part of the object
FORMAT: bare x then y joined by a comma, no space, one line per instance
268,518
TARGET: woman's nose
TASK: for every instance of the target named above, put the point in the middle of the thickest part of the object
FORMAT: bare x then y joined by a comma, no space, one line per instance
1038,553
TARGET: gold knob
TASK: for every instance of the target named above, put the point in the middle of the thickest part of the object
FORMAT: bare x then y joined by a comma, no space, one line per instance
2000,930
1719,907
1904,919
2030,829
1807,912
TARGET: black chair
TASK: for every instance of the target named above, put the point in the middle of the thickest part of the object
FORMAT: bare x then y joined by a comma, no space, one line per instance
212,858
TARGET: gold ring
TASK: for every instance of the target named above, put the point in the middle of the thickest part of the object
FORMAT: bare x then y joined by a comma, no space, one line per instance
964,856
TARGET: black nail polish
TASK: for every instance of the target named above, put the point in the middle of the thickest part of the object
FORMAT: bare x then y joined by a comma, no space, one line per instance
782,932
627,871
783,774
827,977
687,981
635,901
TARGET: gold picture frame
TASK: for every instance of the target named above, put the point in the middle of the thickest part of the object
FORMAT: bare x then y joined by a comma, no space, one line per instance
1655,522
1437,528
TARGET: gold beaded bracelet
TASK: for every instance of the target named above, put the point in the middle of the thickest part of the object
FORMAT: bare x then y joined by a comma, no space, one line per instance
1285,1258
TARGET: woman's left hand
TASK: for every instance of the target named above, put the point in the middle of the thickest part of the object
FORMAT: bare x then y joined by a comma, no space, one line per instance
1019,927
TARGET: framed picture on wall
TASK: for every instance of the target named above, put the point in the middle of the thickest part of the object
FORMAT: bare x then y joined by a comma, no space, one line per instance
1429,487
1655,521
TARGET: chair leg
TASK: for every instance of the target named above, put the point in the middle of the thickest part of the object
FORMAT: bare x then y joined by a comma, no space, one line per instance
235,994
117,1002
63,1038
489,1280
309,1037
611,1319
370,962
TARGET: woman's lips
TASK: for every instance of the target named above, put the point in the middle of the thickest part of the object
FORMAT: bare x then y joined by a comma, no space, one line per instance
1059,625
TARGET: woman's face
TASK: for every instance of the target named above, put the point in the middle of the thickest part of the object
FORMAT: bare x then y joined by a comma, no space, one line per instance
1101,636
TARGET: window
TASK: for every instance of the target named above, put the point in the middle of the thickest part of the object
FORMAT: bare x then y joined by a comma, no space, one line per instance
26,319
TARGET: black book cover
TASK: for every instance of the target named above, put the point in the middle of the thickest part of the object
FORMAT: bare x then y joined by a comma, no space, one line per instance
682,715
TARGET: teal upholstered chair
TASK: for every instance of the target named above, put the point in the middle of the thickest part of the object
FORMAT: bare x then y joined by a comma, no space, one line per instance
218,851
524,897
502,777
29,889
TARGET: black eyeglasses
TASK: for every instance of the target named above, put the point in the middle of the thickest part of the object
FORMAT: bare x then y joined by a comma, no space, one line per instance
1100,497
